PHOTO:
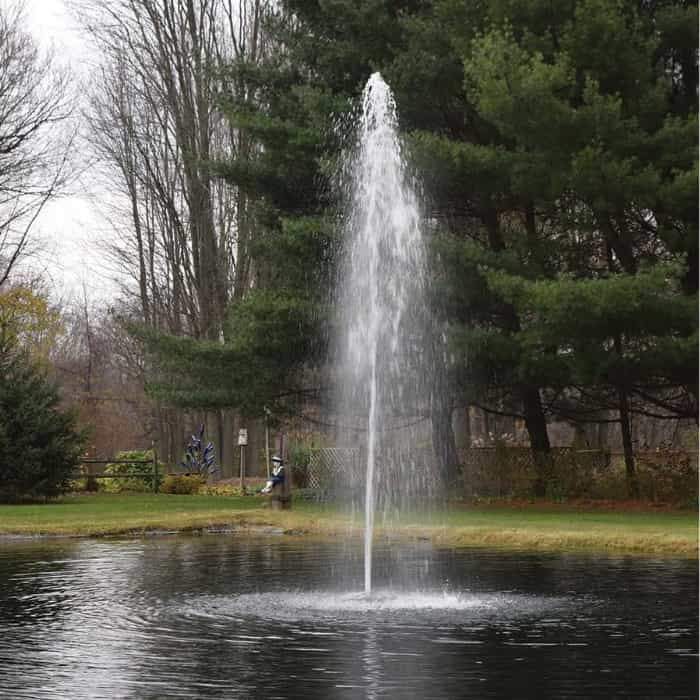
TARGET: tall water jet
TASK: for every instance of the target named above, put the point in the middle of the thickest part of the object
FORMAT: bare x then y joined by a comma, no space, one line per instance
382,309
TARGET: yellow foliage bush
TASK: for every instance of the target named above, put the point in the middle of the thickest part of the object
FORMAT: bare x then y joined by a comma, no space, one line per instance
182,483
27,319
222,490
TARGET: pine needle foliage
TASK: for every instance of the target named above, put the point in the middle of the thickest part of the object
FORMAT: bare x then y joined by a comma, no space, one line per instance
40,443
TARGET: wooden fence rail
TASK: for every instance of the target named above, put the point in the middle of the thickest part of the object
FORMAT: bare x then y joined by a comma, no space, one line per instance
152,473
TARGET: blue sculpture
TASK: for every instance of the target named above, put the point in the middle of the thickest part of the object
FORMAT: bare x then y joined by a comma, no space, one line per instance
198,460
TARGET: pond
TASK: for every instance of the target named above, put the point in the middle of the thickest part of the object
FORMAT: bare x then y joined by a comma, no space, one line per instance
229,616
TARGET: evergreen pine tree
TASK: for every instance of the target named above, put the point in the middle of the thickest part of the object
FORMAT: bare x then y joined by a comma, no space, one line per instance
40,443
566,154
557,145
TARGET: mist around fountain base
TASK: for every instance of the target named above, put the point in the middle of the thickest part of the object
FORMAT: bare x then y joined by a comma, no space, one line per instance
428,606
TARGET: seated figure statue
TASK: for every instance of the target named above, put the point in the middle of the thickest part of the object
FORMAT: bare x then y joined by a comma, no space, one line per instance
277,477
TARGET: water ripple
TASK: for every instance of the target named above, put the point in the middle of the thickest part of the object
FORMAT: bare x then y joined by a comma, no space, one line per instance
220,617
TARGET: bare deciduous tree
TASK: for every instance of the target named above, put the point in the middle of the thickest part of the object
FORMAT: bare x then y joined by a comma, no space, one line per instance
101,374
156,129
182,237
33,156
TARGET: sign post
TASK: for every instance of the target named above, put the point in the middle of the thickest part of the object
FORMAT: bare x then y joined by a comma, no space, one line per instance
242,442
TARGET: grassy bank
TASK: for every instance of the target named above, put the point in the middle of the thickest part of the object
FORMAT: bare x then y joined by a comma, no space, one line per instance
550,528
105,514
563,528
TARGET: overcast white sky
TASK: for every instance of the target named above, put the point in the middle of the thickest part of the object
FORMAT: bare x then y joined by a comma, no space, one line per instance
72,225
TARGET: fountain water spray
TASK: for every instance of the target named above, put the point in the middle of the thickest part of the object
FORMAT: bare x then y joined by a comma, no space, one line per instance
381,302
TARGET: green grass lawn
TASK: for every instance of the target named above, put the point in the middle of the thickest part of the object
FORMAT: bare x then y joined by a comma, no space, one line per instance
566,528
534,527
98,514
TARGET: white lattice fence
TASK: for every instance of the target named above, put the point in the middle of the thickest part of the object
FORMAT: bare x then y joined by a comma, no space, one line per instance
330,464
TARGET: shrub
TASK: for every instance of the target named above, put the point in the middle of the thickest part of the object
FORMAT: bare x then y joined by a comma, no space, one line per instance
132,477
668,475
40,444
499,472
610,484
300,451
182,483
663,475
220,490
84,483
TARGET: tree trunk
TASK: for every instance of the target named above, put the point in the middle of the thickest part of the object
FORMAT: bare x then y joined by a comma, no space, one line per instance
529,394
461,425
536,426
626,429
444,444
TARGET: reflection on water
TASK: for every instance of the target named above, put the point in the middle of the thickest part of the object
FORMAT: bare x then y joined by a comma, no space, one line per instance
217,616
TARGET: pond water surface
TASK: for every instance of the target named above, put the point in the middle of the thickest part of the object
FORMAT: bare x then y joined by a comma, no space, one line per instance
228,616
